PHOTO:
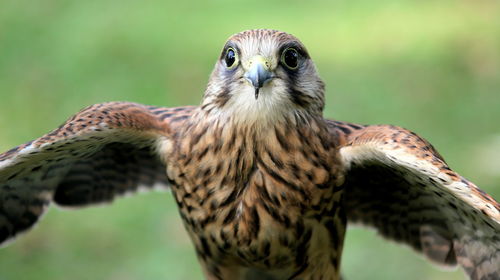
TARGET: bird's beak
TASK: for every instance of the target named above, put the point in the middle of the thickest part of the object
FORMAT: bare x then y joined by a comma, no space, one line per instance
258,73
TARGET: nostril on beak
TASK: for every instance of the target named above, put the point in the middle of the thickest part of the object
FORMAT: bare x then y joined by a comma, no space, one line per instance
257,75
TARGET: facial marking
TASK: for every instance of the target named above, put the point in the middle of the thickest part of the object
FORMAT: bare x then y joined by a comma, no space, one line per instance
262,73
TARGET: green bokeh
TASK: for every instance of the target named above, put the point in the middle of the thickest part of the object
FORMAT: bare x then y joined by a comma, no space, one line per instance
430,66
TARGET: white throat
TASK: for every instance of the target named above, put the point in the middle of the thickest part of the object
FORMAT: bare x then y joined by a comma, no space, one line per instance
271,106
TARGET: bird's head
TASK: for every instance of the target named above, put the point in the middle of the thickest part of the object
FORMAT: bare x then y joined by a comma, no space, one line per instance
264,74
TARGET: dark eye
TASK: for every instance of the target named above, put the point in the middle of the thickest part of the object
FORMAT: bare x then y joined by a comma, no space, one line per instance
230,58
290,58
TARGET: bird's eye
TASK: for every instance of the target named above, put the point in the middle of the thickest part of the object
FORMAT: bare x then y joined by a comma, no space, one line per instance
290,58
230,58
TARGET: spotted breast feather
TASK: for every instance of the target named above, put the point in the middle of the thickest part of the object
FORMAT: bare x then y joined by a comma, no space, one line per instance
265,185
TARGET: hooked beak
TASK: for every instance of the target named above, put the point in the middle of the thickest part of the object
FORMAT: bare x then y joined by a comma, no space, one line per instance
258,73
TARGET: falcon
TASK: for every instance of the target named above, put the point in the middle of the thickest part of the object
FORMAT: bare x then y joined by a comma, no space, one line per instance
264,184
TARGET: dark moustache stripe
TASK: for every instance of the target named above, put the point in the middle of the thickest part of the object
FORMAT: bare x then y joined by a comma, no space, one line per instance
222,97
298,98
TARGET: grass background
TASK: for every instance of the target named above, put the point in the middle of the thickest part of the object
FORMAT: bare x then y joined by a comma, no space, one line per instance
430,66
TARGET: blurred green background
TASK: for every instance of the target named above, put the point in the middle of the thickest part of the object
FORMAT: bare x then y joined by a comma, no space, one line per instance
430,66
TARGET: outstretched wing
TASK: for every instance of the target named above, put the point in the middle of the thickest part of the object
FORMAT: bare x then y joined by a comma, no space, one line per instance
102,152
398,183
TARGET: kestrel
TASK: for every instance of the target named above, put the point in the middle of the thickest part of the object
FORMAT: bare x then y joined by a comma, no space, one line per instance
265,185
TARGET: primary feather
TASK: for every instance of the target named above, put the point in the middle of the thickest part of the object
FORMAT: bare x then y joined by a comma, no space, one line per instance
265,185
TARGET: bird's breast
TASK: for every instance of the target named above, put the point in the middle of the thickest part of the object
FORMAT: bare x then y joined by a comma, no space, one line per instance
258,202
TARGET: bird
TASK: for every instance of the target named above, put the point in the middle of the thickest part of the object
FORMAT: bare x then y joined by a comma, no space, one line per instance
265,185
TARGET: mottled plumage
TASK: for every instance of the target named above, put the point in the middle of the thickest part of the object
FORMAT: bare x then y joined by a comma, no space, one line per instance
265,185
